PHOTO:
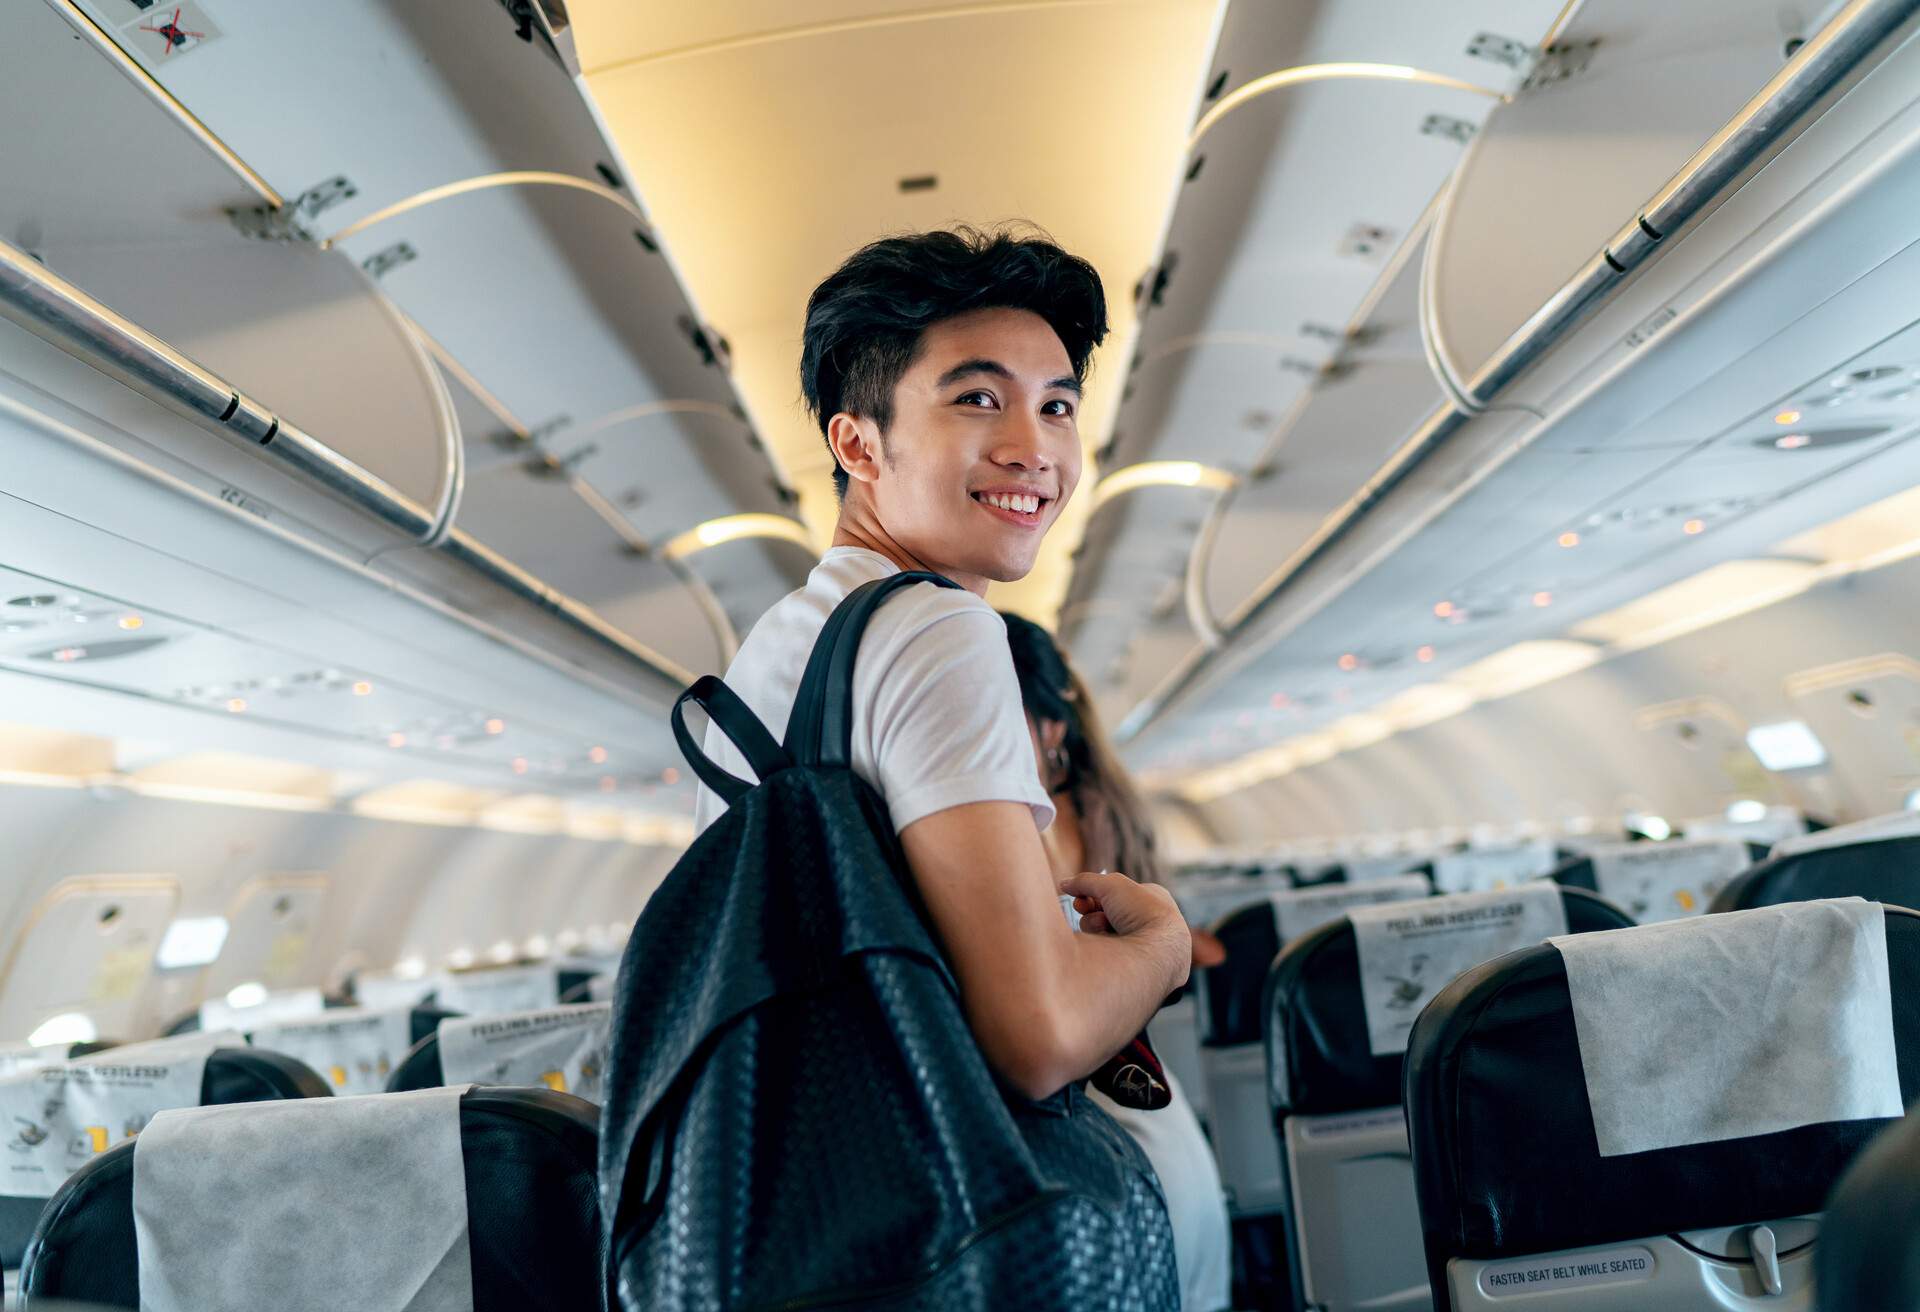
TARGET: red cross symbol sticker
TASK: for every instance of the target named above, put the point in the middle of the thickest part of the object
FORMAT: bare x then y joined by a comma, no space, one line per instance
171,33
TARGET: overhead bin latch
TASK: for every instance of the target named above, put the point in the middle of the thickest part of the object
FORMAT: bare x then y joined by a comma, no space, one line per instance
1503,50
293,221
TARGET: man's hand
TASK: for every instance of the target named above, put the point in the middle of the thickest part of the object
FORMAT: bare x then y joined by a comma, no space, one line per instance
1111,903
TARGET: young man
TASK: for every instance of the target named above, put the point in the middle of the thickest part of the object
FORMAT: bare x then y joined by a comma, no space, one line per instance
945,371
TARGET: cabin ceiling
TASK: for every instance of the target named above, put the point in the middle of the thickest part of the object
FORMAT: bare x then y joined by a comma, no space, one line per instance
771,140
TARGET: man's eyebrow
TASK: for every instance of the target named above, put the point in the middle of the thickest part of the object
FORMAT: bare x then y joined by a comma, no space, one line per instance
982,365
977,365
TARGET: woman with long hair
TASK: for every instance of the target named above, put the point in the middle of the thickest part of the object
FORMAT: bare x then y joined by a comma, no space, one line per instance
1100,823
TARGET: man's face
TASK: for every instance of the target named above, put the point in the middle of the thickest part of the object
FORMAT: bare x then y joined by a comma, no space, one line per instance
984,447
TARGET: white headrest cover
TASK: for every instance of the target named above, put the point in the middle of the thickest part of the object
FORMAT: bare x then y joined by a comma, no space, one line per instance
1732,1025
561,1048
309,1205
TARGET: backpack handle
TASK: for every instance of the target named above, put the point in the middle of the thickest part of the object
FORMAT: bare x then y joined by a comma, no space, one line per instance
820,731
742,728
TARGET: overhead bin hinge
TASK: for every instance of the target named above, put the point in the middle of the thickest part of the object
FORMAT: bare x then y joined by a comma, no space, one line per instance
1559,62
1503,50
292,221
381,263
1457,130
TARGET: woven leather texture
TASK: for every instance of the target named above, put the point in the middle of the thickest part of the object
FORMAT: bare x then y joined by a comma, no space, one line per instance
797,1115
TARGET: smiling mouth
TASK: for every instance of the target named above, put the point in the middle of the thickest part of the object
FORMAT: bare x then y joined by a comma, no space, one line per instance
1021,508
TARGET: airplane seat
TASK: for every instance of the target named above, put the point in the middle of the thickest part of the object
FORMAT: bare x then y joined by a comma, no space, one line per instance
420,1068
533,1222
1226,1002
1352,1220
1521,1210
1869,1254
563,1048
1880,869
232,1075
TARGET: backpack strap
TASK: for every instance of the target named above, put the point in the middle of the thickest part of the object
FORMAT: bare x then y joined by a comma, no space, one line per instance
820,731
741,726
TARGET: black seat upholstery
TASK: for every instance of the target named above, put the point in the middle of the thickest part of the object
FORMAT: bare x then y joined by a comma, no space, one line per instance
420,1068
1319,1057
1506,1160
233,1075
1869,1254
532,1212
1882,870
1230,1000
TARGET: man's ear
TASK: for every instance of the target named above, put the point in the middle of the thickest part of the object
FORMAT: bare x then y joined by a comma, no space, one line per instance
855,443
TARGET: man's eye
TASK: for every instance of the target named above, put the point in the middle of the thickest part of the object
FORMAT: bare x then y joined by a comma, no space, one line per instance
1066,408
981,399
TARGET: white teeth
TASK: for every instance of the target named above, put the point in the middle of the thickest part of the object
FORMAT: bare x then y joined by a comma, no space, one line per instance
1029,505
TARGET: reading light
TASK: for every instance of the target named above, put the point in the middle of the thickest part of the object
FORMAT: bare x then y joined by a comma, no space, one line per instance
669,776
191,941
1569,539
1787,745
396,740
1543,599
1160,473
596,754
1442,609
362,689
731,528
1423,655
519,765
1786,417
250,994
237,705
496,726
1693,526
131,622
1792,441
67,1027
1349,662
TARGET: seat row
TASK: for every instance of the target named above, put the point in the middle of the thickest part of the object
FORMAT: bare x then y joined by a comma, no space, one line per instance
483,1123
1432,1127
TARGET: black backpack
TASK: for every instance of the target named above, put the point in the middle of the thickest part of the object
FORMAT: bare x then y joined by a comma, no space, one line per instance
797,1115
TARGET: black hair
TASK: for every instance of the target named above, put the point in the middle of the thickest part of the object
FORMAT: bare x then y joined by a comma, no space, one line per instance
1115,828
864,323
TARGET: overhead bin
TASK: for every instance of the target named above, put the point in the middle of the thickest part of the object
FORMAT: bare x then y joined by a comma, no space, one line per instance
1651,446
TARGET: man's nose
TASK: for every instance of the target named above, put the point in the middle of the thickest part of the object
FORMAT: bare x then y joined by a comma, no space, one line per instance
1024,443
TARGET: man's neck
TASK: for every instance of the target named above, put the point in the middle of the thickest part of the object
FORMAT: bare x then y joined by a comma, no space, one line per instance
858,526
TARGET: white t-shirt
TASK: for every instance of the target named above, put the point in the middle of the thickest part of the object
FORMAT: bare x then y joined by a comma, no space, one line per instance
937,718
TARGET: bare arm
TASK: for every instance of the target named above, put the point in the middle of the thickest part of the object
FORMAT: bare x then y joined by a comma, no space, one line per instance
1046,1005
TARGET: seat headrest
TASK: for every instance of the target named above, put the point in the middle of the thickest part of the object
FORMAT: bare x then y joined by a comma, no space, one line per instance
231,1075
1869,1253
534,1237
1231,1013
1319,1057
1881,865
1506,1157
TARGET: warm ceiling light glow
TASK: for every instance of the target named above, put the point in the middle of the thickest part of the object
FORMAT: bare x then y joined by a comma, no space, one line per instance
1792,441
362,688
496,726
396,740
730,528
606,783
1569,539
1423,655
669,776
1693,526
1281,701
1787,417
131,622
1160,473
1349,662
1728,589
1523,665
236,704
596,754
519,765
1303,73
1543,599
1443,609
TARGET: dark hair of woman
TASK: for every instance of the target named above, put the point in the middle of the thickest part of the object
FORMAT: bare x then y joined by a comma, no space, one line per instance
864,322
1084,767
